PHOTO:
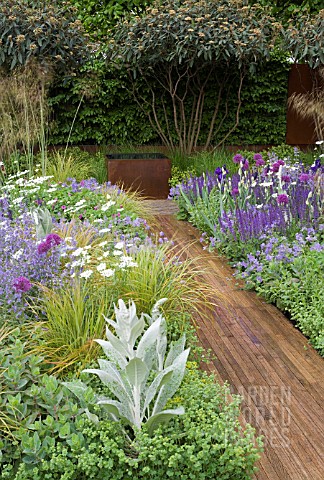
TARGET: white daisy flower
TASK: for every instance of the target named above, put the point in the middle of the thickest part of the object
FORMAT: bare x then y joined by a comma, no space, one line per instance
86,274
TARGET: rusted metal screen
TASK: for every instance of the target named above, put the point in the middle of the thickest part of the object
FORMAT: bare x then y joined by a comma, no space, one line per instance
300,131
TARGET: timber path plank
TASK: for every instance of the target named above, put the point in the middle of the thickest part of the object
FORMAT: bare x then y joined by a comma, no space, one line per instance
262,357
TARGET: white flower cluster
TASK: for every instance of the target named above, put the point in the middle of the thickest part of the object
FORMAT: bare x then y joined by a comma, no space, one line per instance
82,258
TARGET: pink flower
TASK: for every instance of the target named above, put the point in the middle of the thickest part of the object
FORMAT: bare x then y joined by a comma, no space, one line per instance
63,207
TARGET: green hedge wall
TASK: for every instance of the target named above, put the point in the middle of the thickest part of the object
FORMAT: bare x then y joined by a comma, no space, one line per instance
108,113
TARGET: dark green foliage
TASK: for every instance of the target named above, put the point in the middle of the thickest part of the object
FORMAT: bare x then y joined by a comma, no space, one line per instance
98,17
43,31
205,443
107,114
284,9
305,40
110,115
186,47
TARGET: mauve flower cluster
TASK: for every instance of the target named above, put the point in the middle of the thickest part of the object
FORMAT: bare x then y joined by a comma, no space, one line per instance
278,249
21,265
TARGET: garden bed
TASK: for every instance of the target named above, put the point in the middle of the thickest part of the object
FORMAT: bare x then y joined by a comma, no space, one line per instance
268,219
69,251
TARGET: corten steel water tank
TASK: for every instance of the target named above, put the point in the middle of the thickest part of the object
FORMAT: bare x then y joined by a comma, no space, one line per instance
147,173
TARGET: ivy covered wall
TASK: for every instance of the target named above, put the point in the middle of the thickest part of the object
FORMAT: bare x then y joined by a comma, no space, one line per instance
106,112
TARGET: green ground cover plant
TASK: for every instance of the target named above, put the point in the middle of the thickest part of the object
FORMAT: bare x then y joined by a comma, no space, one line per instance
206,441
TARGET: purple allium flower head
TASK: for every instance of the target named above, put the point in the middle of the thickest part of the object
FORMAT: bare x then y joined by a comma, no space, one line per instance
237,158
53,239
43,247
245,164
282,199
21,284
259,162
275,167
235,191
286,178
50,241
304,177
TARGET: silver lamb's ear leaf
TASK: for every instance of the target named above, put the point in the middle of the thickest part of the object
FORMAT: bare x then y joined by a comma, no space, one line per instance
175,350
136,372
43,222
79,389
162,417
117,410
107,374
155,312
148,339
91,416
111,322
136,330
161,379
167,391
161,344
112,353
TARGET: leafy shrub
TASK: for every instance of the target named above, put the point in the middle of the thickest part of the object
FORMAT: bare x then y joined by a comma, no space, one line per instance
296,286
33,408
51,34
206,442
98,18
109,114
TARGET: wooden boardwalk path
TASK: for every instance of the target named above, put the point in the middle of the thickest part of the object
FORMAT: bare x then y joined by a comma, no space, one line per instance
265,359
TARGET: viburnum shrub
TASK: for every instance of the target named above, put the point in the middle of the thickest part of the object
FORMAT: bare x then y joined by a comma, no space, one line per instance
305,40
186,46
43,30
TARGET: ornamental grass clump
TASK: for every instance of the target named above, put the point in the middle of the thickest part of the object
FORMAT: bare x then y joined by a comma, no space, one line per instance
163,272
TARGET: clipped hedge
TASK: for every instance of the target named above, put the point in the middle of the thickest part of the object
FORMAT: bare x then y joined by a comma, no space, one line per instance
108,113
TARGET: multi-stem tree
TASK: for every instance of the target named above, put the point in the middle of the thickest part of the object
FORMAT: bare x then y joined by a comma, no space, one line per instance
186,47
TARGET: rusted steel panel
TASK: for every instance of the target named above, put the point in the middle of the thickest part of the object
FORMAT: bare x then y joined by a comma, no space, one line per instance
300,131
145,172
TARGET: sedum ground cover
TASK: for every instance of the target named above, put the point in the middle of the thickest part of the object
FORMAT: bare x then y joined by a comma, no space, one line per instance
268,219
68,251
